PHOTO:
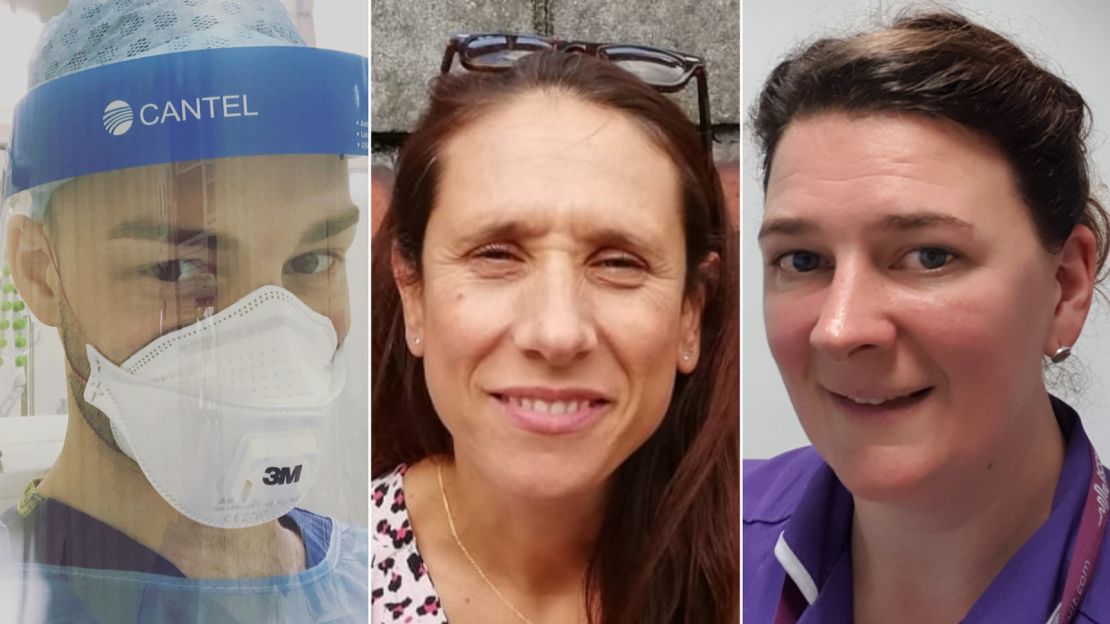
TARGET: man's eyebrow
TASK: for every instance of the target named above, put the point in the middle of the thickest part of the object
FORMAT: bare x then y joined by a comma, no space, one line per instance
331,226
163,232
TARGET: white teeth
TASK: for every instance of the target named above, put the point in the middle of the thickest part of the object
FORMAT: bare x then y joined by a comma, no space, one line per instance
878,401
869,401
540,406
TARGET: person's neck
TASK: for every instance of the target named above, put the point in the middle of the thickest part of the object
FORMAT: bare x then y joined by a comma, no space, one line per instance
931,559
544,546
101,482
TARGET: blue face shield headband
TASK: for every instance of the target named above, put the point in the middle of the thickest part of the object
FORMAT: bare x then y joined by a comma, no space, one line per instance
193,105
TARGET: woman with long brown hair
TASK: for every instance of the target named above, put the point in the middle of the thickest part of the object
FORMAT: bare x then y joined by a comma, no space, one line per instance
555,412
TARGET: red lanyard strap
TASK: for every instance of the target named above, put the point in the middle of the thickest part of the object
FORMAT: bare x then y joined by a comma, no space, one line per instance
1088,542
1088,545
791,603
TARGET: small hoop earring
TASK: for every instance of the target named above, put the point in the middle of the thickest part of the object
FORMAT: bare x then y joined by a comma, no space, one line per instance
1061,354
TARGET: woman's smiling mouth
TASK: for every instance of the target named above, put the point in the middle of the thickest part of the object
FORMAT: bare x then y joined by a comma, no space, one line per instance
551,411
879,402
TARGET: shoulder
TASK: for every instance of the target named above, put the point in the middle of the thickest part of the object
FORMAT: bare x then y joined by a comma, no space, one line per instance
392,482
773,490
400,585
392,527
774,487
1096,605
390,513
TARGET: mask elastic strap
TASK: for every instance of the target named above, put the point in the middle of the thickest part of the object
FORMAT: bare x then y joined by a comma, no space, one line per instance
62,290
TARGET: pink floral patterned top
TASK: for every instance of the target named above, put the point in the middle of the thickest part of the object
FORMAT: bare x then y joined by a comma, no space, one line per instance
401,590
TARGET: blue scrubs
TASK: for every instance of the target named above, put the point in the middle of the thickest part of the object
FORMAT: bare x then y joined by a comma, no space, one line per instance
57,534
69,567
797,497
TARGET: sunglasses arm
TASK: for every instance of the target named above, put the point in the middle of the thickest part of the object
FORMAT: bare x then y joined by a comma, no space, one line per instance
449,54
704,124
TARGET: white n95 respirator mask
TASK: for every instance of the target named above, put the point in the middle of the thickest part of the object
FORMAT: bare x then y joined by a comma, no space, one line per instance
227,417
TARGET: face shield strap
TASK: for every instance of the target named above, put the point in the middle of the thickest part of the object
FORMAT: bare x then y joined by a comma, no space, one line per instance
193,105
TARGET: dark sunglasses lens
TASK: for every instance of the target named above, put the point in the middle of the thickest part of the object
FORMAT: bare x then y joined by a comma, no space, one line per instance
498,51
652,66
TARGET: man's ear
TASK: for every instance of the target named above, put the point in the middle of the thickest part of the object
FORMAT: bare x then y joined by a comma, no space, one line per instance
32,266
410,286
693,305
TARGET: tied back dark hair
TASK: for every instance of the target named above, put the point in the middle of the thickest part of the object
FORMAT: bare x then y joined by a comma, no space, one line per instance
944,66
668,549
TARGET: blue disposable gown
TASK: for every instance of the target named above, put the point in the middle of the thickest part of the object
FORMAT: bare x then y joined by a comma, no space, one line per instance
333,591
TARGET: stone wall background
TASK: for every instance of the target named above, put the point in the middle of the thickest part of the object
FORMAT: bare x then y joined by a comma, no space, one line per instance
408,38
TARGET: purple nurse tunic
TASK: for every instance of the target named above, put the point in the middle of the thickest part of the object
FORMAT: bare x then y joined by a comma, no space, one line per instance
798,517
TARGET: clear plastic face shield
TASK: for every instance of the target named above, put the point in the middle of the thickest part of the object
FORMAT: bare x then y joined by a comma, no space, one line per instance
182,277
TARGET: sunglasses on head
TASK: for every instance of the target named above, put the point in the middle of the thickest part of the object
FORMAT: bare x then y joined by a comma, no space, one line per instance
665,70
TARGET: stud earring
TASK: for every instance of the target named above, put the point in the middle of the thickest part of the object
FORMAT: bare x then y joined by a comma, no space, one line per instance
686,356
1061,354
416,340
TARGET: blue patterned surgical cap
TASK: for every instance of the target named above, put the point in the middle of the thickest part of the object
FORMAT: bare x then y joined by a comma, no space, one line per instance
91,33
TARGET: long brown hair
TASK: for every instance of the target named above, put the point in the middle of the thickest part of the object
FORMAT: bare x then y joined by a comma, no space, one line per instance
668,550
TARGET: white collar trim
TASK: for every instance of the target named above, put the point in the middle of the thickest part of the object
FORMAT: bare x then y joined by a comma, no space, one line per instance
802,579
795,570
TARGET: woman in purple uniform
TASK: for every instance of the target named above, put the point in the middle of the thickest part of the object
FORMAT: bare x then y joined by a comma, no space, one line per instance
931,243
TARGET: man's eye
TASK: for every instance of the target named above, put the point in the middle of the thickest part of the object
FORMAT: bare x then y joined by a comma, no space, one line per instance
178,270
310,263
799,261
929,258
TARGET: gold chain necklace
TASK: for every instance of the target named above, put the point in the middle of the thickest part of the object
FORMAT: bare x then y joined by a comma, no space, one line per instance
466,553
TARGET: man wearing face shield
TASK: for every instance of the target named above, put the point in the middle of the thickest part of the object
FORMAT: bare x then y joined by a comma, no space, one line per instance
177,205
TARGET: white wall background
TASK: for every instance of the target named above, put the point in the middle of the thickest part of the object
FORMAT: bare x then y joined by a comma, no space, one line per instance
1069,36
